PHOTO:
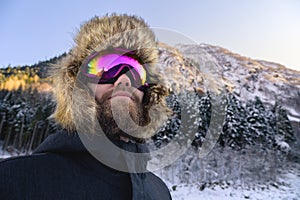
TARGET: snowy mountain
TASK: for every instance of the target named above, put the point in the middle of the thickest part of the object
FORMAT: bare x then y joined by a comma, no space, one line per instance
214,68
254,88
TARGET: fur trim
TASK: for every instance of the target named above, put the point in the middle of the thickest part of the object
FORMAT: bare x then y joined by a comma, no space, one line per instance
74,103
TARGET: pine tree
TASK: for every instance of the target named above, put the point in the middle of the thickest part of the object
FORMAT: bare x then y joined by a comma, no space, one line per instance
283,128
235,133
204,121
260,130
172,125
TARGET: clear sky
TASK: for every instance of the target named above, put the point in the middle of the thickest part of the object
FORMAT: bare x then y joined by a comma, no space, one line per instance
35,30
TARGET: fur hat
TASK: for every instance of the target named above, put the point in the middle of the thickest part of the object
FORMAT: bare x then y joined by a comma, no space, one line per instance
73,103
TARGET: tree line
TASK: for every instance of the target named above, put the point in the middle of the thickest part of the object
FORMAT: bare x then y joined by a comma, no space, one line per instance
245,123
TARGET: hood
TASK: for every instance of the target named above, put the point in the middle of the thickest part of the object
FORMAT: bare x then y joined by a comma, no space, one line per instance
75,106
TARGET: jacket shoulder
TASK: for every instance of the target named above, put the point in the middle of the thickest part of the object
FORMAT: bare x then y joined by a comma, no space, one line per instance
19,170
25,168
18,161
57,176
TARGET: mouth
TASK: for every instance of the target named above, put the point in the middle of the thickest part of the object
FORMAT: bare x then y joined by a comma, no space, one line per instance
122,94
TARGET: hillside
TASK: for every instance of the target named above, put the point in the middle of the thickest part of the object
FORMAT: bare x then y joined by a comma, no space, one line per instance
214,68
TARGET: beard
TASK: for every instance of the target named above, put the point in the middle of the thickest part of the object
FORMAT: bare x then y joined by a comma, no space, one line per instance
119,117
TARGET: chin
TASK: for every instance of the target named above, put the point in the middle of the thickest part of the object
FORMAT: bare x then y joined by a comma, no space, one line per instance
121,115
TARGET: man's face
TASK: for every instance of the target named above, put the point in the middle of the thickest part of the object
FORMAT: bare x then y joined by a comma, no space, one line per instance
119,104
122,82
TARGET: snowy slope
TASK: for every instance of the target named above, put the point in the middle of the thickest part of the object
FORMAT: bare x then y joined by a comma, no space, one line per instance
211,68
249,78
289,190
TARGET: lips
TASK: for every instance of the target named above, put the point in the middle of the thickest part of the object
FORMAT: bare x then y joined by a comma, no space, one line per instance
122,94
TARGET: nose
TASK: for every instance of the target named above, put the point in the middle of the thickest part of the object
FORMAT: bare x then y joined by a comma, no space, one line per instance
123,80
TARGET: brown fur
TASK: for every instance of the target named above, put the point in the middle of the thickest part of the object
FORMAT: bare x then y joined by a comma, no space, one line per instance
75,106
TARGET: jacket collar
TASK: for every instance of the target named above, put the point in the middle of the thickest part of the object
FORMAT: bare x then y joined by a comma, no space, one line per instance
61,142
65,142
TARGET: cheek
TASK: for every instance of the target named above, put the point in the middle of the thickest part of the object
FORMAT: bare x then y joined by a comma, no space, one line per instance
98,94
100,89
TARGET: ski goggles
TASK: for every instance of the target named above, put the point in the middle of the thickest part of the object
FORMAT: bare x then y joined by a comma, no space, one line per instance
106,68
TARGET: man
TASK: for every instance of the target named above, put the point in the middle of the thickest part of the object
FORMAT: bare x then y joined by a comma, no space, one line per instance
109,100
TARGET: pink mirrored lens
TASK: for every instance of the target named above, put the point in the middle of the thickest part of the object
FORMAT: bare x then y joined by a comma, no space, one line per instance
97,65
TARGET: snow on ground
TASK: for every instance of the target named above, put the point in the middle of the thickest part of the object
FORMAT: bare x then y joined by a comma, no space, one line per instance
293,114
292,118
4,154
288,190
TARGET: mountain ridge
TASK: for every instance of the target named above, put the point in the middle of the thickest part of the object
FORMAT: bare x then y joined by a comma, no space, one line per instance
244,77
